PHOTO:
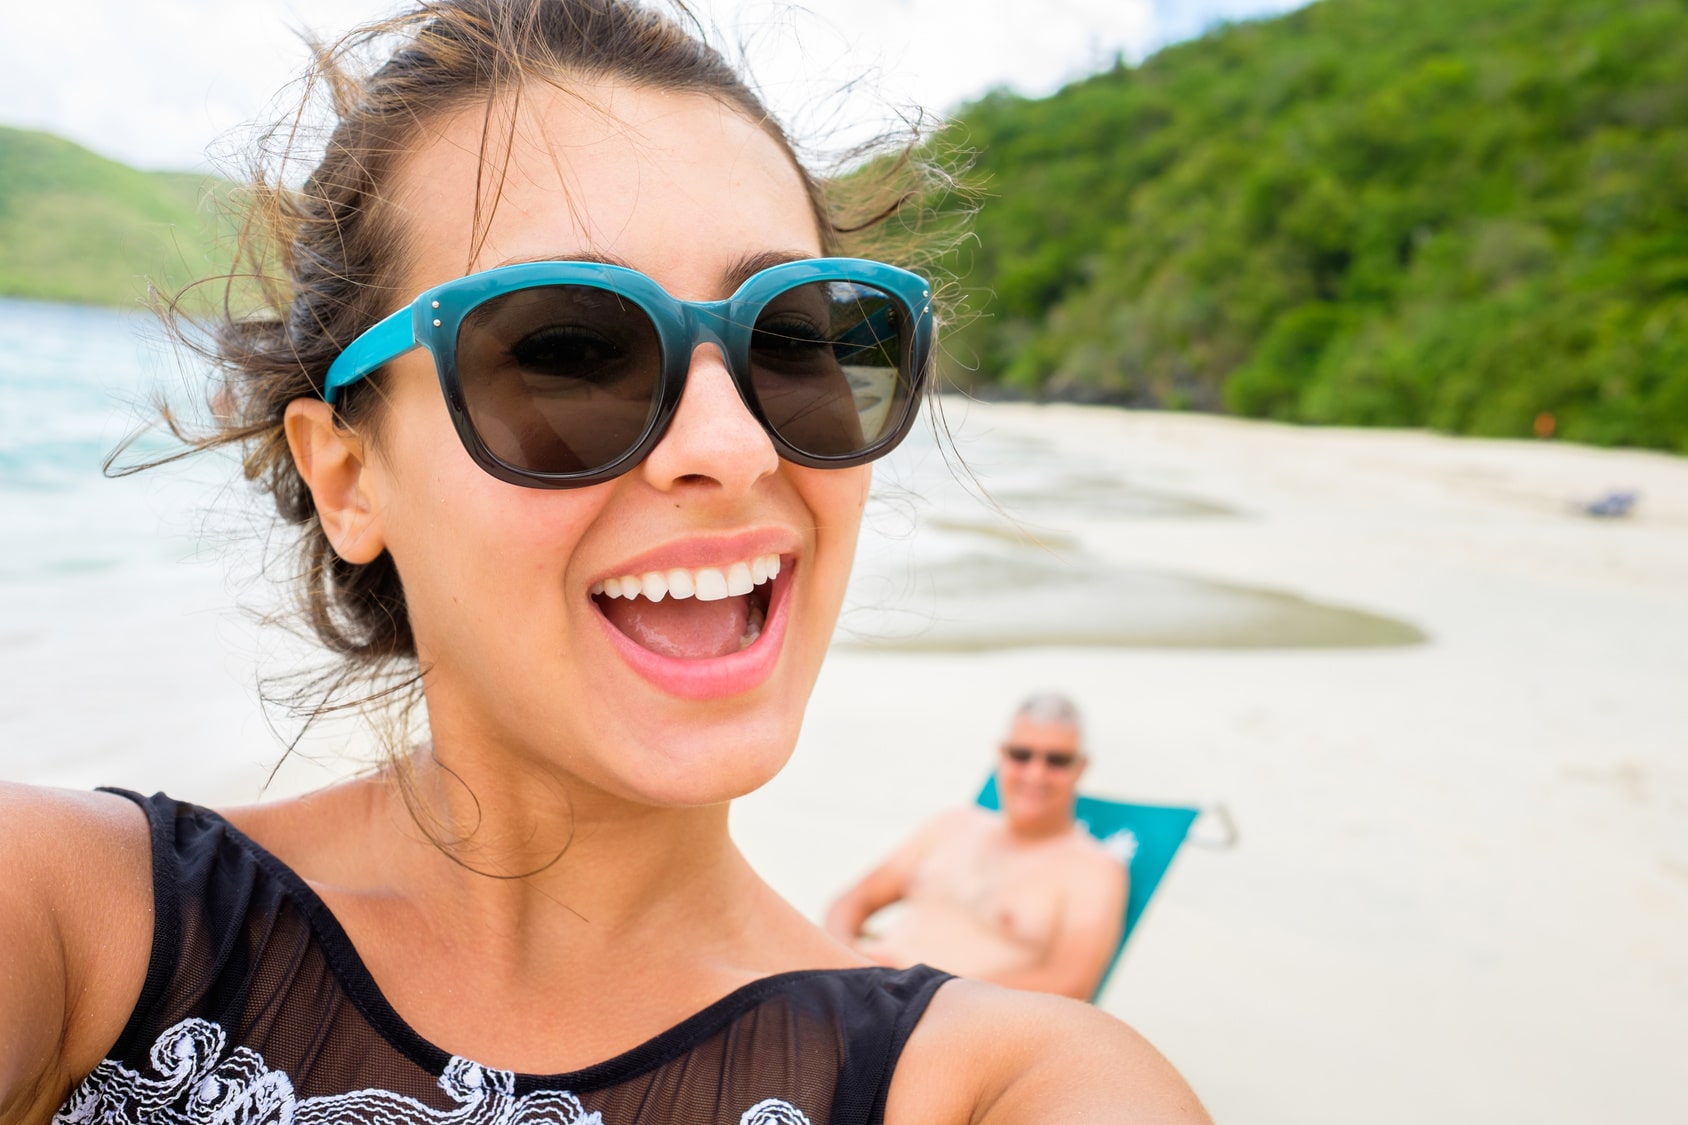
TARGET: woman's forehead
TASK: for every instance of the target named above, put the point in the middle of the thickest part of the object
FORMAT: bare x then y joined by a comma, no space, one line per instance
667,181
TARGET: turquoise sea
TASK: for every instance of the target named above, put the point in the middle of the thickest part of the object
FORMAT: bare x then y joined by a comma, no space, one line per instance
117,594
74,381
122,653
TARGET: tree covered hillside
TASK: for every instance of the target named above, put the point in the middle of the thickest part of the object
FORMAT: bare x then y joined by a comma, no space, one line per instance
75,226
1457,215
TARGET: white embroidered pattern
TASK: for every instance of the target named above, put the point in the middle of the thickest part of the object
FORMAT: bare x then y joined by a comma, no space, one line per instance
773,1112
193,1088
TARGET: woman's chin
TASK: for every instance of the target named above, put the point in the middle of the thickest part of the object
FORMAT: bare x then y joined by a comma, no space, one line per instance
704,763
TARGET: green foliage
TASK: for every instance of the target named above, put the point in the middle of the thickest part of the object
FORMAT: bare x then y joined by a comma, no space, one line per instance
1365,212
75,226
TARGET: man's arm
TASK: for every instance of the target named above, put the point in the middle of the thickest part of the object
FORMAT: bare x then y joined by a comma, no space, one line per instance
887,883
1087,930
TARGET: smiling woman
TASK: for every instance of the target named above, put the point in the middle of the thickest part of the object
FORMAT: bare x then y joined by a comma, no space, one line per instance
571,395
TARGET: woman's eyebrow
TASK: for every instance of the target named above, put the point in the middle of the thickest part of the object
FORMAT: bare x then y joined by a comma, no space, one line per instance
571,256
735,275
744,268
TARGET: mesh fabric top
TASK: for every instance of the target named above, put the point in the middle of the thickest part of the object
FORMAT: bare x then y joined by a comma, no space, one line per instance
256,1009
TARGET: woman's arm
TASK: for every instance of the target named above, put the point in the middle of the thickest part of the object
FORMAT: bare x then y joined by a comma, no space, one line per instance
984,1055
75,936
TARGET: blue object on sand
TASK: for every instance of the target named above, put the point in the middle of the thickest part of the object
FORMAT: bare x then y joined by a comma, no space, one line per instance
1144,837
1611,505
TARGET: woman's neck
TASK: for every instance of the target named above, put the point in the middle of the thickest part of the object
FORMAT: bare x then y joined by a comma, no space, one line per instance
530,850
491,900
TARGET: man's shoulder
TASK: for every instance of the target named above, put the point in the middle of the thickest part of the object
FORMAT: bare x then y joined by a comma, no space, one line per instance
1086,860
960,820
1083,844
957,828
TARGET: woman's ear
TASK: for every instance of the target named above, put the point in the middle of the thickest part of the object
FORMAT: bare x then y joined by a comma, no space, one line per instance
331,459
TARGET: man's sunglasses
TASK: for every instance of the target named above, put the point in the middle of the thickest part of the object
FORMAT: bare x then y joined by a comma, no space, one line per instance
562,374
1054,759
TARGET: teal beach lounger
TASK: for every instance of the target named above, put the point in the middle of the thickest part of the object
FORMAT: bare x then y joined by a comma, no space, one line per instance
1144,837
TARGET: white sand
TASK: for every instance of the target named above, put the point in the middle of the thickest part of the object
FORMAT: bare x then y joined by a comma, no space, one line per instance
1461,892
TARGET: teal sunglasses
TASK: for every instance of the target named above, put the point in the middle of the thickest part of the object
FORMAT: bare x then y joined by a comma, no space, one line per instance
562,374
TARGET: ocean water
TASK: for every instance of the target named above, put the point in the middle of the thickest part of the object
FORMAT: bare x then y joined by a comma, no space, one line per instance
127,604
73,382
982,538
124,657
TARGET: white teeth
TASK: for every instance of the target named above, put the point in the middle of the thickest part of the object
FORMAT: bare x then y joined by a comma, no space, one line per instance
680,583
709,584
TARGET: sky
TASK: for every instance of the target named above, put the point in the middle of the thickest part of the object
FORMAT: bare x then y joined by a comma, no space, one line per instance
167,84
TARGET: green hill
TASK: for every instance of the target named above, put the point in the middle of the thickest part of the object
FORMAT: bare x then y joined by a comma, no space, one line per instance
1387,212
75,226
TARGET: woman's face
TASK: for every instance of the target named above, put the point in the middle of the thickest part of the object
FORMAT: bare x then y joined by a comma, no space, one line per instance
672,701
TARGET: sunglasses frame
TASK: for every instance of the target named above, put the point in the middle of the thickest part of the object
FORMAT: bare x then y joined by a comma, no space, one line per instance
433,320
1068,758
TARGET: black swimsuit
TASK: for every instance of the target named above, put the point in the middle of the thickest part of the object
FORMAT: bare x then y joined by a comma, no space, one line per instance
257,1011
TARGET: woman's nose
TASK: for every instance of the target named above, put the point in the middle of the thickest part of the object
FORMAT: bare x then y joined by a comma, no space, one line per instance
712,438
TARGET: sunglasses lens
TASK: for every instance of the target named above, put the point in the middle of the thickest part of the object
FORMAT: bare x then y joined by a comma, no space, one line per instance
559,378
830,366
1054,759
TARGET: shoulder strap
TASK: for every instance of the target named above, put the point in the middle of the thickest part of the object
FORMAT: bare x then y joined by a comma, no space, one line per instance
166,916
875,1022
205,888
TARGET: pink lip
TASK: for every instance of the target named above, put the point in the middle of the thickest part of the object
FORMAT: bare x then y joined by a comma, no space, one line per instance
717,677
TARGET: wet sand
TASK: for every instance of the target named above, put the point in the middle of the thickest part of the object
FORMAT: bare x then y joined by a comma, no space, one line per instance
1445,710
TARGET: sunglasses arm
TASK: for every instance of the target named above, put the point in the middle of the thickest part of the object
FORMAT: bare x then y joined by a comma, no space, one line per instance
386,341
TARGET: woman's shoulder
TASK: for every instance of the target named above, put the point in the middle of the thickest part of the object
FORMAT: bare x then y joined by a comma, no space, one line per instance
319,834
997,1056
74,852
31,810
76,929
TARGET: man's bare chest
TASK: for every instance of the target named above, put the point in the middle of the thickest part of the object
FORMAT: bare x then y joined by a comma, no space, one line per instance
1014,895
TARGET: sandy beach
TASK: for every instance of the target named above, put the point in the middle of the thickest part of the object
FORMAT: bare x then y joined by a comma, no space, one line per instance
1444,707
1461,891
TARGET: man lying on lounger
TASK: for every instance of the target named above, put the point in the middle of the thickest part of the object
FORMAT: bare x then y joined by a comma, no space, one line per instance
1023,898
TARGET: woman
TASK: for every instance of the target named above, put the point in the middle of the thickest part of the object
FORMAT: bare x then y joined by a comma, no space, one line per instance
574,412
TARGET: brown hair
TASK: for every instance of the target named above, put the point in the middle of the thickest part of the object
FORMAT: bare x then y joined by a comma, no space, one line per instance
320,261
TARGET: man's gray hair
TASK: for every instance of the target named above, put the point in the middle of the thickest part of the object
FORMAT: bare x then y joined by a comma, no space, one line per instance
1049,709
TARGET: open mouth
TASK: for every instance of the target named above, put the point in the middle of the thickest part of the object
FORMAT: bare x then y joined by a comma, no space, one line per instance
691,614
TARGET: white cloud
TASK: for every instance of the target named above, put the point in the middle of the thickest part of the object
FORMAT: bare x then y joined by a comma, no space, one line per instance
156,83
